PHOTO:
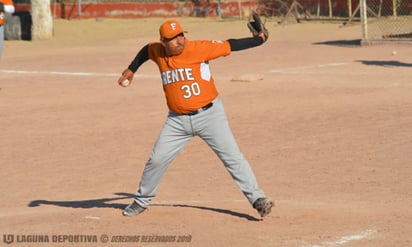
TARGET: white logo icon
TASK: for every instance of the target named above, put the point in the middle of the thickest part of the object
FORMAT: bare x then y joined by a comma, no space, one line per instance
173,26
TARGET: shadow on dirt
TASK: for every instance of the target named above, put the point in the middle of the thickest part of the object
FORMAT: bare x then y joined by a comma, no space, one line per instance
96,203
385,63
218,210
341,43
106,203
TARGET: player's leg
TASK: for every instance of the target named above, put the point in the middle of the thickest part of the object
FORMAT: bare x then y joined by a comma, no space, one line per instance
1,39
214,129
172,139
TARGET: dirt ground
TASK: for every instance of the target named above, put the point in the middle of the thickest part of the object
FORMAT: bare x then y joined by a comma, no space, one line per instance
327,132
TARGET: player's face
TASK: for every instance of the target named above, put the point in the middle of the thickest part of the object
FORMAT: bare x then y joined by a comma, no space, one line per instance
175,45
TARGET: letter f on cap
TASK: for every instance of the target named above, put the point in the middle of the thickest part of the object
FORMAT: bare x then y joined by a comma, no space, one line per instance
170,29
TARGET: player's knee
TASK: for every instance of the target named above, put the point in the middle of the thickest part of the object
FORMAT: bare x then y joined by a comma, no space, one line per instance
231,160
157,161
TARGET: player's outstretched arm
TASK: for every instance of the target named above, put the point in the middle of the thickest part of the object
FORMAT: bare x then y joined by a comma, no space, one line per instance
259,36
244,43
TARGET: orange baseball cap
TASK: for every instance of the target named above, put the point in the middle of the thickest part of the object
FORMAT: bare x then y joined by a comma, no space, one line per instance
170,29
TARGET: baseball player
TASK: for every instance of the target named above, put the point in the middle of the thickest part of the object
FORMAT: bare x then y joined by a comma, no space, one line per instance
195,109
6,6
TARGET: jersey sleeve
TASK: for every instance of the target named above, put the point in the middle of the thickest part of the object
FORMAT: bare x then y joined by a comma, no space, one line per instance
212,49
155,51
140,58
245,43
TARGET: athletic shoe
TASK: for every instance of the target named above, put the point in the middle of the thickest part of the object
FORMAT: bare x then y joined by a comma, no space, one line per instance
133,209
263,206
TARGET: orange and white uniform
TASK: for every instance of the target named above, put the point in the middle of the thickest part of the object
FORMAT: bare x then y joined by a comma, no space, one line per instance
8,8
187,80
195,109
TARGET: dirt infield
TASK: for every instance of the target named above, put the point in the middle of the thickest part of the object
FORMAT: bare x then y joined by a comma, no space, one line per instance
327,132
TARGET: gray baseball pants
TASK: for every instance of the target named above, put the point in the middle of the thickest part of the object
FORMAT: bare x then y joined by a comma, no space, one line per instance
212,126
1,39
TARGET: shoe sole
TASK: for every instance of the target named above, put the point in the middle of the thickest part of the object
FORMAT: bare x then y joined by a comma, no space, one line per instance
132,214
267,208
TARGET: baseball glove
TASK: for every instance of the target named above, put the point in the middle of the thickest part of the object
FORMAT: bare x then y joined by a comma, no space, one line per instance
257,27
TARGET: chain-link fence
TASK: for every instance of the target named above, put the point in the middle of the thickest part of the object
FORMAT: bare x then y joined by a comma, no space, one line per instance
290,11
387,20
382,20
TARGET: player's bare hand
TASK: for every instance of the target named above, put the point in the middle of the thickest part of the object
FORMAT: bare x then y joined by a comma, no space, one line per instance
126,78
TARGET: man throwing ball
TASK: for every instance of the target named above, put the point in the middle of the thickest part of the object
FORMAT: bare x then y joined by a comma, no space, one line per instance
195,109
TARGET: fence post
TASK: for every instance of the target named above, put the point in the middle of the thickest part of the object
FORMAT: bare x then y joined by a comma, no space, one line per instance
42,27
395,8
79,8
364,18
219,10
330,8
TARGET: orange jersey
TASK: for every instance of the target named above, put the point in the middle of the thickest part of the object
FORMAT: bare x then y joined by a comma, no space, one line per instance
187,80
5,2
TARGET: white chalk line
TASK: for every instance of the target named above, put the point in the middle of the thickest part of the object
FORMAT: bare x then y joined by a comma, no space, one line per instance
66,73
346,239
294,70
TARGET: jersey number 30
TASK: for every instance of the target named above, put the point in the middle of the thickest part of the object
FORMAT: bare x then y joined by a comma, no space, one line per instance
191,90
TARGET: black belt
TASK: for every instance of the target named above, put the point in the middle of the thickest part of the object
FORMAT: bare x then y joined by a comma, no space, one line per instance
204,108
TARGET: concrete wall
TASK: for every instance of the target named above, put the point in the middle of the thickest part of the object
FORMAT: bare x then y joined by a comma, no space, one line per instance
176,9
